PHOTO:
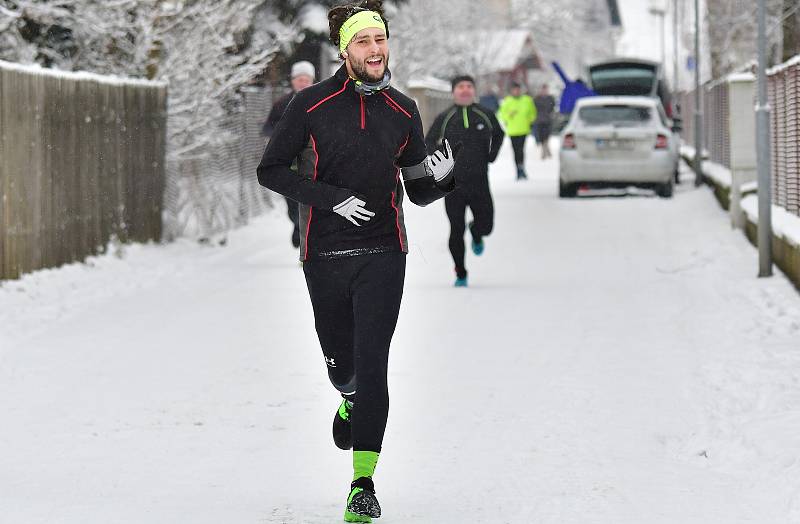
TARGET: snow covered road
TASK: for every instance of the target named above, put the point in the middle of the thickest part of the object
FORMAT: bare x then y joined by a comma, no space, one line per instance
615,360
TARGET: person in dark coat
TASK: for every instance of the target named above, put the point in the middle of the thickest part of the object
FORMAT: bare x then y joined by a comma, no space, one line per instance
481,136
543,125
302,76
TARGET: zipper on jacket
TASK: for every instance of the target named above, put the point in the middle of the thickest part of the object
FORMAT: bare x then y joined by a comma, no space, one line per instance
363,116
466,118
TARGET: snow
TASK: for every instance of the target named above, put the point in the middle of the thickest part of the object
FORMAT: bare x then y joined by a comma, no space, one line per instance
749,187
314,17
792,62
687,152
80,75
429,82
784,224
741,77
615,360
500,50
718,173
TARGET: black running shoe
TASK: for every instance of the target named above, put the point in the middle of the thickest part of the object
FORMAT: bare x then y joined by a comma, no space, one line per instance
362,505
342,429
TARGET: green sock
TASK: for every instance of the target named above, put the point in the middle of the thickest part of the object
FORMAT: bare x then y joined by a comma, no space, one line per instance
364,463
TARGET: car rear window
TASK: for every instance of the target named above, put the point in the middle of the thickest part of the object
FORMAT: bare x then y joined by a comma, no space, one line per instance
632,81
614,114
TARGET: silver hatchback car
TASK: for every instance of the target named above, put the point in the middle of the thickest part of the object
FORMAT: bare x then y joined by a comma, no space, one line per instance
618,141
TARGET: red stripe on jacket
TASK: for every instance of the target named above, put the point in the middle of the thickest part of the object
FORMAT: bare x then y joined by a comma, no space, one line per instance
337,93
396,209
398,106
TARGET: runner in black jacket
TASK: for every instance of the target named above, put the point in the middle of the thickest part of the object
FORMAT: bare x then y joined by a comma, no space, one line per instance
481,136
355,136
302,76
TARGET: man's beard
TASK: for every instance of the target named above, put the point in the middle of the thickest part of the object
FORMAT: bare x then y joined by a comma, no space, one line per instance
361,73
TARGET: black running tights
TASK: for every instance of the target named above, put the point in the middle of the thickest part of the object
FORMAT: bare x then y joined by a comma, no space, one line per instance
356,301
480,203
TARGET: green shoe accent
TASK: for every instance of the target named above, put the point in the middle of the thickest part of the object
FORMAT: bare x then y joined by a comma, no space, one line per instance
364,463
353,517
349,516
344,409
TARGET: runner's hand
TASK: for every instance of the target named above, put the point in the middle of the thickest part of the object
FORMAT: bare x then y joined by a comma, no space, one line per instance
352,209
441,162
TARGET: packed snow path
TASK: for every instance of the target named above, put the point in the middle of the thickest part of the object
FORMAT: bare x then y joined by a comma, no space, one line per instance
614,360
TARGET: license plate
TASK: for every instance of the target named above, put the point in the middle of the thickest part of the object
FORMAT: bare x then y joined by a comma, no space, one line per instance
613,143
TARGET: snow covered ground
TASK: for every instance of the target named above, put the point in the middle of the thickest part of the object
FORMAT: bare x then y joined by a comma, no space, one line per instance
615,360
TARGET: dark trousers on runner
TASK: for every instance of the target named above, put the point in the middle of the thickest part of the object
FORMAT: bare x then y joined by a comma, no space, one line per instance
456,203
356,301
518,143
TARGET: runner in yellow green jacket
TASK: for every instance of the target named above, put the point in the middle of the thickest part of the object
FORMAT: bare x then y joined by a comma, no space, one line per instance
517,113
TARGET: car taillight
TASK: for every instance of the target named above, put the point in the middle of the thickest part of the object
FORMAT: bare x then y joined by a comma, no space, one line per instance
569,141
662,142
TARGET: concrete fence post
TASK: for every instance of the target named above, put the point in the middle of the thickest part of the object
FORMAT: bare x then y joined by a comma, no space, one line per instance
742,131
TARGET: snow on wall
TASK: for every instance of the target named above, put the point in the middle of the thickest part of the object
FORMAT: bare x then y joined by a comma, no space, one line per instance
784,66
784,224
79,75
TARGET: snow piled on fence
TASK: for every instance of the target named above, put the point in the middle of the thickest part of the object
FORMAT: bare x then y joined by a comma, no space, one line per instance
36,69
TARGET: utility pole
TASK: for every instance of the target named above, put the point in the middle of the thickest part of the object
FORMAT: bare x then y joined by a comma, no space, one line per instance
675,36
698,101
763,152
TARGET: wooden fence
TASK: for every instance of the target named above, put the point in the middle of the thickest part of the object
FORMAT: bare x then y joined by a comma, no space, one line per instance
82,160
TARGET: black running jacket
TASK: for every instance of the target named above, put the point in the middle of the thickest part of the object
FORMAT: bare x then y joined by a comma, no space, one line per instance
347,145
481,136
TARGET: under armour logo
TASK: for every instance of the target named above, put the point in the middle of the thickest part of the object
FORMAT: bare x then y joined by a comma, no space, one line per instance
330,362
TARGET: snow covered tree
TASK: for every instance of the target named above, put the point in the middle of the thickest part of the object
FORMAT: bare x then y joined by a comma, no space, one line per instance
732,31
205,50
791,29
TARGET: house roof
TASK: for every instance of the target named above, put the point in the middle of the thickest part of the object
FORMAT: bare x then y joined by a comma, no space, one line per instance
499,50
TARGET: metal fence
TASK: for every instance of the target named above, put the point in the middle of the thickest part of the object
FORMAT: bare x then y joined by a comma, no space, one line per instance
716,138
81,162
213,189
784,99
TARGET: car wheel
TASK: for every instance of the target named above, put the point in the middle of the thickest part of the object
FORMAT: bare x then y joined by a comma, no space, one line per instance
566,190
665,190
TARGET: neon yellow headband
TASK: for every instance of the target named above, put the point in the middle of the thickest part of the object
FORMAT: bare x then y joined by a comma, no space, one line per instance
358,22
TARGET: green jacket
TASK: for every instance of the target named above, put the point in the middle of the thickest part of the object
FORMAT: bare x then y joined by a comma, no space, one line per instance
517,114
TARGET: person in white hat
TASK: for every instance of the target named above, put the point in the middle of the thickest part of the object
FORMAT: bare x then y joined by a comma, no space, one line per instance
302,76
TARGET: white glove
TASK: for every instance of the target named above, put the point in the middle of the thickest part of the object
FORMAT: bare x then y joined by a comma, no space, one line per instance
352,209
441,162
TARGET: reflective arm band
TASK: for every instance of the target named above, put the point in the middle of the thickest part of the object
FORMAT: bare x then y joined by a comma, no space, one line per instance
415,172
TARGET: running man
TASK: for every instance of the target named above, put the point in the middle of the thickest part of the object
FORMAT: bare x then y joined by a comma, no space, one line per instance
355,136
302,76
481,136
517,113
